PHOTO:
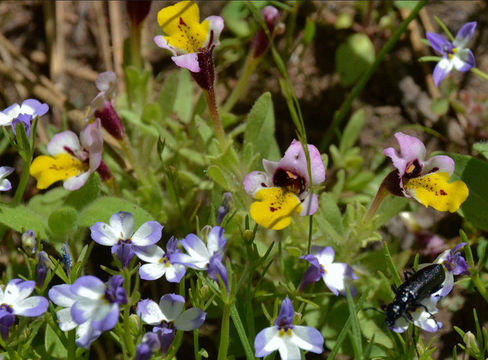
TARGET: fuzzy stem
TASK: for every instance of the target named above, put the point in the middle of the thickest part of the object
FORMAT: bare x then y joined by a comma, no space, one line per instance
248,69
214,115
24,177
127,149
224,333
480,73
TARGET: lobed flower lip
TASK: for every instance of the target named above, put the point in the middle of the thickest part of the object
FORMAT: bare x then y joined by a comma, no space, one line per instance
427,181
288,339
454,54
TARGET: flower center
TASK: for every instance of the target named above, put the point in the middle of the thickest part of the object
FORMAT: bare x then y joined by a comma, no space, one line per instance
165,261
413,170
6,307
285,331
289,181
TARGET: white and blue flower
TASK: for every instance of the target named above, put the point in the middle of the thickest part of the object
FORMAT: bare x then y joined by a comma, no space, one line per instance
120,235
287,338
5,184
160,262
336,276
454,54
168,316
15,300
90,305
16,114
203,256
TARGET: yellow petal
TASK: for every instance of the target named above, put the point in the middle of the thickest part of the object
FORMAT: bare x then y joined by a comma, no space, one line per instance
181,24
47,170
435,190
274,208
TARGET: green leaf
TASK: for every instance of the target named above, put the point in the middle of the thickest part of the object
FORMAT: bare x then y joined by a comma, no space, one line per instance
260,128
353,57
352,131
137,81
103,208
167,95
330,210
440,106
405,4
482,148
151,114
63,221
21,219
49,201
235,15
309,31
86,194
221,177
54,346
184,97
474,173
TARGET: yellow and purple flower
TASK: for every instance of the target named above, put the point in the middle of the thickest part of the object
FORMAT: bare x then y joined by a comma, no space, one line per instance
427,181
71,160
284,187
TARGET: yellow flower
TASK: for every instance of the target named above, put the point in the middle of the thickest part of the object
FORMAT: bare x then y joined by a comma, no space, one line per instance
185,36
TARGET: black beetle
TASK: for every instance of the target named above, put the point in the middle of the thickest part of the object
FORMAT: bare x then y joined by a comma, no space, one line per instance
417,287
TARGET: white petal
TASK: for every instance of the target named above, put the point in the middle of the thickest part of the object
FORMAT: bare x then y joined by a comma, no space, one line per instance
61,295
63,140
152,271
267,341
65,320
307,338
150,312
76,182
151,254
122,224
289,351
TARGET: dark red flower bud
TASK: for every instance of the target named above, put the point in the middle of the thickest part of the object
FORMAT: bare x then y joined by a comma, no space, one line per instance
138,10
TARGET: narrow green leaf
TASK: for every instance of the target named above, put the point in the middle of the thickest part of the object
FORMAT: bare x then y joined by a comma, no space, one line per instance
352,131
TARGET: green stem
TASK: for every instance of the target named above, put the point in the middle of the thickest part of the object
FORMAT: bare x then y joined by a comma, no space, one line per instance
378,199
214,115
24,177
391,265
72,345
480,73
196,350
127,337
248,69
241,332
224,333
346,106
135,45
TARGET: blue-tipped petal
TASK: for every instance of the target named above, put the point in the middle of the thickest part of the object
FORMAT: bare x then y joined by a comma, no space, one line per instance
149,312
109,321
171,305
464,60
86,335
464,35
89,287
308,338
267,341
32,306
191,319
217,269
148,234
441,70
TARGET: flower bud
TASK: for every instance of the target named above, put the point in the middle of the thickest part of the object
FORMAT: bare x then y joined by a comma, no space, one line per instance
260,42
134,323
110,120
204,292
43,264
224,208
137,10
471,344
29,241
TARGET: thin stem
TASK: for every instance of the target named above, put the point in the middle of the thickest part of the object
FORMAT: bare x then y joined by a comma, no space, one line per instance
135,45
71,345
248,69
480,73
196,350
391,265
24,177
224,333
241,332
346,106
444,28
214,115
472,267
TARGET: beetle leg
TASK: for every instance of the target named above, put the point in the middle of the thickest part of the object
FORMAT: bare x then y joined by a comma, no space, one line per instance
394,288
407,274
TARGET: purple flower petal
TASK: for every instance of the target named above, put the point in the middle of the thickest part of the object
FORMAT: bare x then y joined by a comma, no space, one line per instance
61,295
122,224
6,321
62,141
267,341
103,234
216,25
440,163
32,306
92,141
187,61
439,43
148,234
86,335
149,312
124,252
464,60
216,240
33,107
308,338
191,319
109,321
149,344
175,273
464,35
255,181
171,306
286,314
89,287
165,336
441,70
106,81
152,271
217,269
